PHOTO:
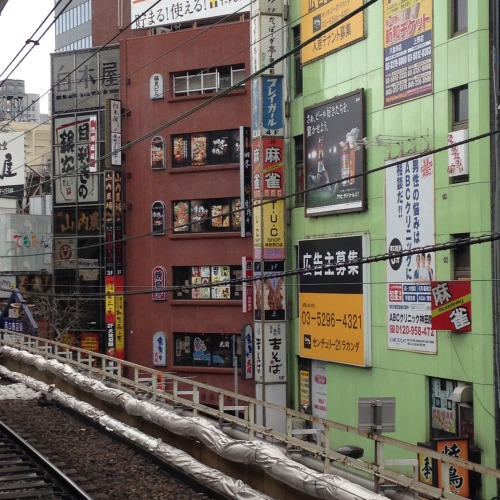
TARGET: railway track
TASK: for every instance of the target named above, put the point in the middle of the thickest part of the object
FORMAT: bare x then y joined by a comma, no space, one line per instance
25,473
46,441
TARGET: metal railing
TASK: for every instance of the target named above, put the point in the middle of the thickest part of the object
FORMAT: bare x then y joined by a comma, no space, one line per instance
184,393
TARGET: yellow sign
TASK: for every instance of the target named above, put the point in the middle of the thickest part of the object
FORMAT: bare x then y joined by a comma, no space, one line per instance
332,327
269,230
273,230
305,393
317,15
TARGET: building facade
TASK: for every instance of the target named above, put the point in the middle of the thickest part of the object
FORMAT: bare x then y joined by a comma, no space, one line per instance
183,197
138,233
388,112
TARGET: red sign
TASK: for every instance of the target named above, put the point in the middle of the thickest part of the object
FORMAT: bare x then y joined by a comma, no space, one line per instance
273,180
451,306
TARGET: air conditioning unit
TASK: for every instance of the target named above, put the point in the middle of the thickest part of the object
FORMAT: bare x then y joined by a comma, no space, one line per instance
160,30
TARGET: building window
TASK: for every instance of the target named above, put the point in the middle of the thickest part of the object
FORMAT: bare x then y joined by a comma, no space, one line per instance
299,170
297,62
203,82
207,350
460,257
206,148
201,282
443,408
460,107
459,18
202,216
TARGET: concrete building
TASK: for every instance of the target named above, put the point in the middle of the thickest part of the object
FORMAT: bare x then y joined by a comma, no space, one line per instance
374,104
73,28
17,105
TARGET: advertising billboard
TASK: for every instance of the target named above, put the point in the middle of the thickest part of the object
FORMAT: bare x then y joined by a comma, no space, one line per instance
334,155
334,300
151,13
451,306
12,166
73,165
318,15
25,243
410,225
84,79
407,50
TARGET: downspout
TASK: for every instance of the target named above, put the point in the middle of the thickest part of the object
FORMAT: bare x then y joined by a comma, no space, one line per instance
495,206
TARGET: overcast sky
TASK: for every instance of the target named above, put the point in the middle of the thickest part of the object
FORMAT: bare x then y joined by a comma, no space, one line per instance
18,22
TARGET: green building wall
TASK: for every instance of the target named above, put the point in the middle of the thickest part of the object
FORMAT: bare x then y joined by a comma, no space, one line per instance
459,208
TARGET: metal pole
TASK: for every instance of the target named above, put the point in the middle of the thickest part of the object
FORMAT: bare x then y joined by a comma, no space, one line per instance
235,365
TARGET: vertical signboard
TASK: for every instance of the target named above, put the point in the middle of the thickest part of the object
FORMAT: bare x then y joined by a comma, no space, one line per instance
407,50
273,167
319,394
247,272
159,349
334,155
74,145
159,283
333,300
458,155
267,43
269,301
109,263
317,16
246,181
458,477
270,352
12,166
247,358
410,224
114,119
156,87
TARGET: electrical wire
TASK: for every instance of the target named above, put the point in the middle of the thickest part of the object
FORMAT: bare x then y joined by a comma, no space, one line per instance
33,41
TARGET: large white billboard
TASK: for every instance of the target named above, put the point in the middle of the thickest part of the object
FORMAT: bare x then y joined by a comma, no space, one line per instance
165,12
12,164
25,243
409,219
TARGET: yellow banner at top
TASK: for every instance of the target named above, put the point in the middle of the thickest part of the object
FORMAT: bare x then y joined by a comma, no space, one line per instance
317,15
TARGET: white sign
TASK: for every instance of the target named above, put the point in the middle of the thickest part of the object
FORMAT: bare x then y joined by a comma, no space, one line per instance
458,156
156,86
25,243
115,107
150,13
319,391
74,179
410,224
12,164
270,352
267,43
159,349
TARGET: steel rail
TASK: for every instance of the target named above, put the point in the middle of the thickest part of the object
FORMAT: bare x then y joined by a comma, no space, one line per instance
54,473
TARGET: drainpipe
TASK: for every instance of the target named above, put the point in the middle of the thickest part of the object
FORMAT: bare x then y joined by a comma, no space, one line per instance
495,207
